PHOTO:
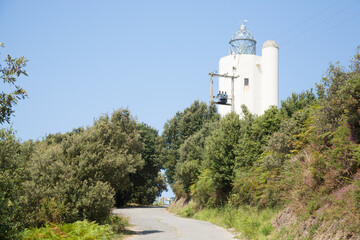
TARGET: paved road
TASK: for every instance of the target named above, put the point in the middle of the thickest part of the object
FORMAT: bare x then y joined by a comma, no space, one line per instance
158,224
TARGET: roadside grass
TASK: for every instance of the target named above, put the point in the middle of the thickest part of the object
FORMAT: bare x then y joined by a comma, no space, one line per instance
84,230
250,222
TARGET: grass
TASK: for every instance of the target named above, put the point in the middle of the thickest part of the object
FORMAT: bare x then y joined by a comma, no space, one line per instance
84,230
249,221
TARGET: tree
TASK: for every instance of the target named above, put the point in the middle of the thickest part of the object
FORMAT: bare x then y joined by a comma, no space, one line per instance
339,97
192,158
181,127
221,153
14,68
9,184
297,101
148,183
75,176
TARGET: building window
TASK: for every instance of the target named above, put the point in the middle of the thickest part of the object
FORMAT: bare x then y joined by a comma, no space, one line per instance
246,82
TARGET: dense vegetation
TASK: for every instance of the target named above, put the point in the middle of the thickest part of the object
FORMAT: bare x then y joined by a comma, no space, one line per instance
306,154
79,175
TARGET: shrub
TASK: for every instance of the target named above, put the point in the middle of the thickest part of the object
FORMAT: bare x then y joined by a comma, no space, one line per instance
203,190
78,175
117,223
51,211
97,201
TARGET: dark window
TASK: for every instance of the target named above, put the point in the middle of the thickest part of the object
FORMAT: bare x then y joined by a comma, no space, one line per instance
246,82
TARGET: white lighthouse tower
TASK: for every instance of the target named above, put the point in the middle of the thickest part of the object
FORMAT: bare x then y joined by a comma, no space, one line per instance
245,78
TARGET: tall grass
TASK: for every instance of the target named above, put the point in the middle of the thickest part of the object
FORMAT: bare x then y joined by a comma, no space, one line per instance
249,221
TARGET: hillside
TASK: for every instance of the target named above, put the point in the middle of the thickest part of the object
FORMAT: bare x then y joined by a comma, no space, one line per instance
300,161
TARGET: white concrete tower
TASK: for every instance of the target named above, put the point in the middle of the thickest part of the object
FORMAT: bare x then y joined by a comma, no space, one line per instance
256,78
270,74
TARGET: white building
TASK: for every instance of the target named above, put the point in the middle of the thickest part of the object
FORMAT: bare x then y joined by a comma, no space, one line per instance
256,78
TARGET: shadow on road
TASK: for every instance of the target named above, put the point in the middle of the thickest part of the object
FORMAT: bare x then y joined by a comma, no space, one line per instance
141,206
130,206
143,232
146,232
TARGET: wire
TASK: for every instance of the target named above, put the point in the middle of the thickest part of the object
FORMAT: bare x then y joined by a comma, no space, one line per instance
317,35
307,20
314,25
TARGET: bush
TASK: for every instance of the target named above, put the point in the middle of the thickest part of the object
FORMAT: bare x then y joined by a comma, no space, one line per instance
62,195
188,210
203,190
97,202
78,175
51,211
118,224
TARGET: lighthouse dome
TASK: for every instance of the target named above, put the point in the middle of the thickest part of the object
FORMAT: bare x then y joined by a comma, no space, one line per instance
242,42
270,43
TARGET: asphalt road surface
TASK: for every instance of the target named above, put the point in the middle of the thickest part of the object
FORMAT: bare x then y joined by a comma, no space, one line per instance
158,224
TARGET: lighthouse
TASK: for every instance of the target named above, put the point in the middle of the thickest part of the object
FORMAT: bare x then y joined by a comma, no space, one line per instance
246,78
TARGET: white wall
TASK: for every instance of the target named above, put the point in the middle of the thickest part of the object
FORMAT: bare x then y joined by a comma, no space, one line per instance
270,67
244,66
263,74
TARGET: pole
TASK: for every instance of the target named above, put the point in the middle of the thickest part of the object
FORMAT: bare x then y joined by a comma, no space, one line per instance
232,95
211,90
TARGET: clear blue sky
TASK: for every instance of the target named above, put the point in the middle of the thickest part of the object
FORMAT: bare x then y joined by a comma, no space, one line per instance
91,57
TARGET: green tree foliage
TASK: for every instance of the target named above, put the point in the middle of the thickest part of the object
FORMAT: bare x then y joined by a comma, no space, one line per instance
339,97
297,101
9,74
82,170
192,159
220,150
9,184
181,127
78,175
203,189
282,142
232,150
149,182
256,131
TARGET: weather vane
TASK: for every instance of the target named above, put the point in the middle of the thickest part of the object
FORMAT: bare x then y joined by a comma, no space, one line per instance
243,21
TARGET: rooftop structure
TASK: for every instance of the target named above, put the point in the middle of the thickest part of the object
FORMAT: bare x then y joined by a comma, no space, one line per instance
242,42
